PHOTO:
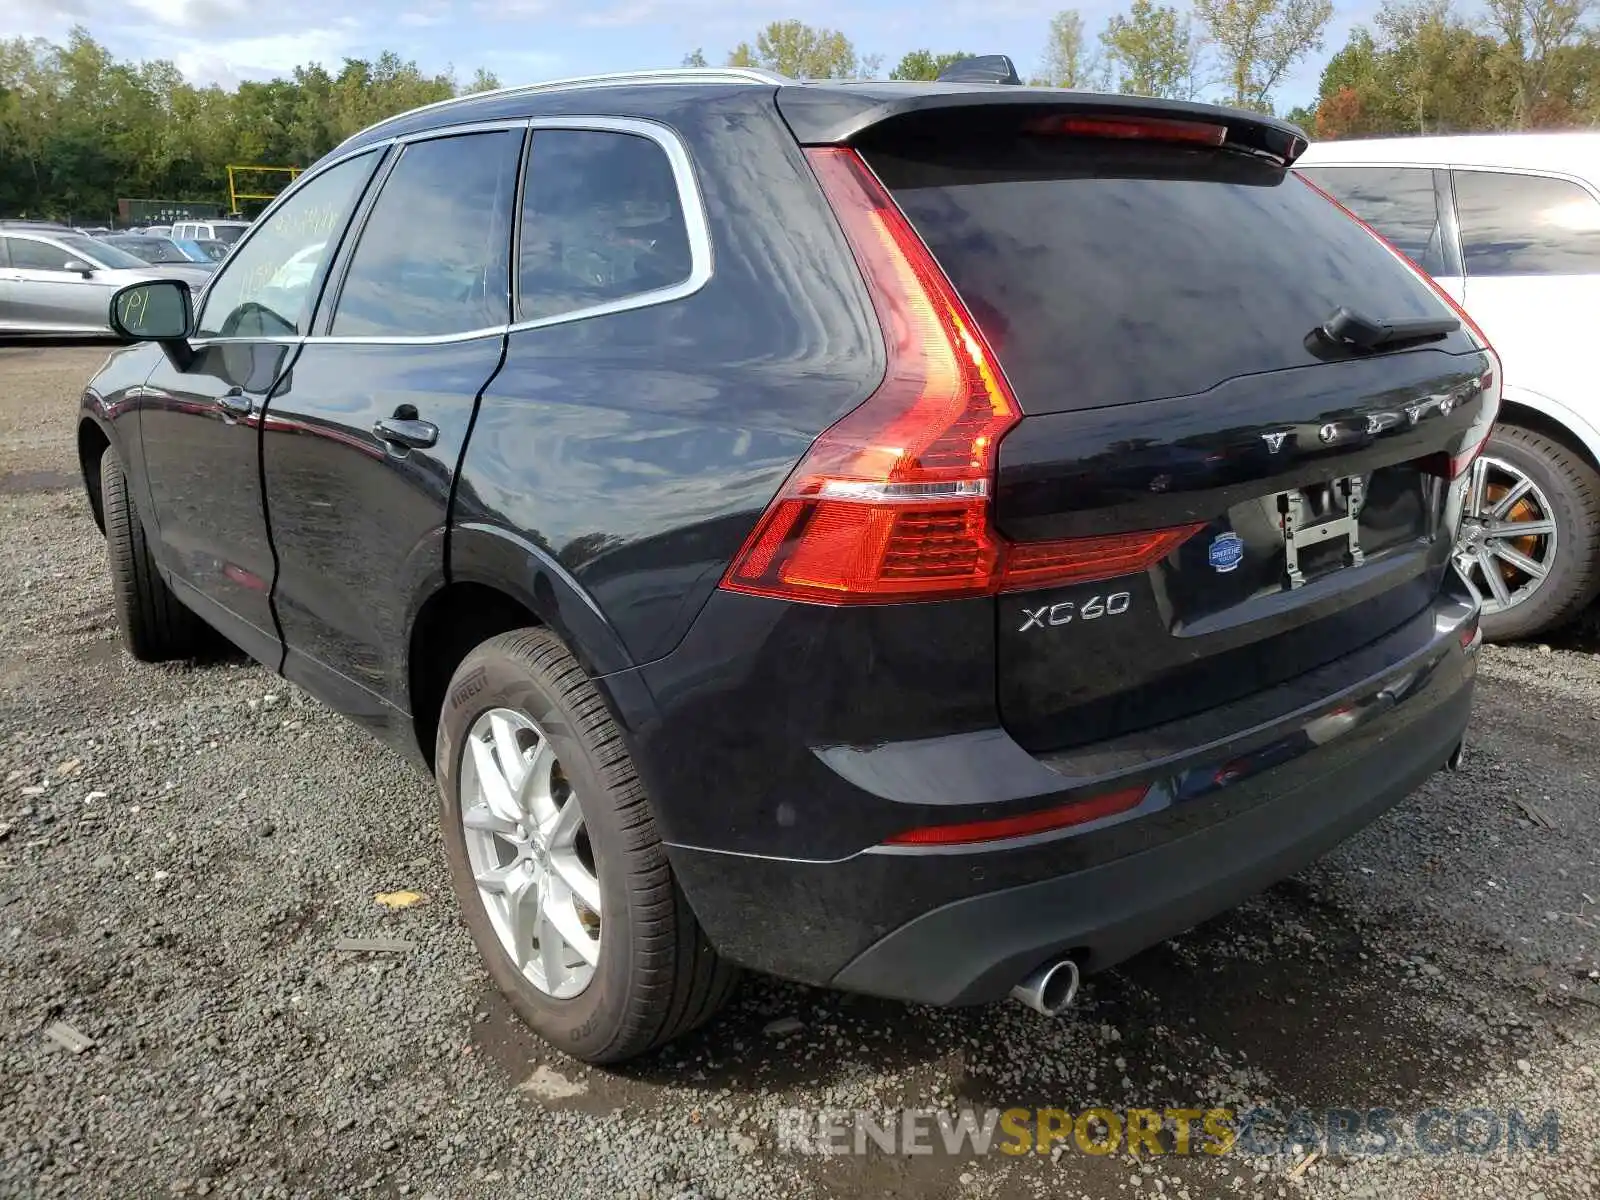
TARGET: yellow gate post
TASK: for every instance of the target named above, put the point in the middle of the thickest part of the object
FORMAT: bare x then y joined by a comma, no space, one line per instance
235,195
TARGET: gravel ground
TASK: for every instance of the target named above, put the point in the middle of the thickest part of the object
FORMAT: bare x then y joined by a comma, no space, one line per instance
182,847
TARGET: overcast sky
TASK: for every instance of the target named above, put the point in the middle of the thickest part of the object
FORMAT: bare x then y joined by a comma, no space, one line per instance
522,41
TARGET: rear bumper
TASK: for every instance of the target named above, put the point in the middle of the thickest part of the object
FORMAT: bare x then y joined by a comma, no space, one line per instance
1226,816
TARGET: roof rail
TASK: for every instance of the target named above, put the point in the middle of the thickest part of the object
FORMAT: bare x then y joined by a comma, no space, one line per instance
612,79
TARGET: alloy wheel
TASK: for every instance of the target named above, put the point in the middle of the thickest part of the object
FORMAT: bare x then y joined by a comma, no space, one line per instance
530,852
1507,544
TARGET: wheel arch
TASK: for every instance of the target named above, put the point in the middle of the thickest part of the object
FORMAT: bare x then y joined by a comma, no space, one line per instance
499,581
1540,414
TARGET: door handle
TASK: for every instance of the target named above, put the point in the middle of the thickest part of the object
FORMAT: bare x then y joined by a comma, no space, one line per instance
410,435
235,404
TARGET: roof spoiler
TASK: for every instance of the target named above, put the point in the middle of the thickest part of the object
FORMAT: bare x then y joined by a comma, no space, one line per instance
864,115
984,68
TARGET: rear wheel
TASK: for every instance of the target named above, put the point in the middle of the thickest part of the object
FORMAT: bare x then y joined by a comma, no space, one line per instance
156,627
1530,533
555,858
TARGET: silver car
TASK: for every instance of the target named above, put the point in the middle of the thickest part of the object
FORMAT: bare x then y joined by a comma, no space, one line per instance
61,283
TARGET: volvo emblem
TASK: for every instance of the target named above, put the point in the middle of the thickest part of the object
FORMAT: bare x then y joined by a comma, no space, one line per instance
1329,433
1226,551
1275,441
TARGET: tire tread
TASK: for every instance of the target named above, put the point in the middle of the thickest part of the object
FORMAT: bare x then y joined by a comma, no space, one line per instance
1578,581
156,627
680,982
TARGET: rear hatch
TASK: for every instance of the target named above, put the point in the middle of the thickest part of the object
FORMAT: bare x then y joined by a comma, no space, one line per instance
1154,305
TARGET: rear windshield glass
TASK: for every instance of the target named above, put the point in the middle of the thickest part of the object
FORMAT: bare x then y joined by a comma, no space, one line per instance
1109,275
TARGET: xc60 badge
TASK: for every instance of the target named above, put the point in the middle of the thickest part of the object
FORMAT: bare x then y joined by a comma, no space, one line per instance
1067,611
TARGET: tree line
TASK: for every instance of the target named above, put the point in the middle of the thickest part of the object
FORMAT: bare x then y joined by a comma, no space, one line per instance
80,128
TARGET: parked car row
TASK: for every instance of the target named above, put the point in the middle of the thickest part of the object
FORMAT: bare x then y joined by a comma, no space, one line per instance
929,540
59,282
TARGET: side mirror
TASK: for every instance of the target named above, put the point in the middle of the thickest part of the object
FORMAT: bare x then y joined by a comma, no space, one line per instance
79,266
157,310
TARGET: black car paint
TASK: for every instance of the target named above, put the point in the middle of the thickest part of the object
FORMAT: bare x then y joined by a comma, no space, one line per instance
638,448
358,524
214,540
604,478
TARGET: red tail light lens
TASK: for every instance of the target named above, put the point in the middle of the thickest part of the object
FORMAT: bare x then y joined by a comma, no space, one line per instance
1078,812
1448,466
1082,560
1136,129
892,502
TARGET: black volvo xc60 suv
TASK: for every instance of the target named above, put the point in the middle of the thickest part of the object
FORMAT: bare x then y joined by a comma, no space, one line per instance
923,539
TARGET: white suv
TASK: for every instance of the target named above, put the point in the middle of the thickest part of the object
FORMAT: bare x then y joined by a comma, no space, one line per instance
1509,224
227,232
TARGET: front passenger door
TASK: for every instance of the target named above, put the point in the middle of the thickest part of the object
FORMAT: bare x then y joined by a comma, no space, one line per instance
363,439
200,423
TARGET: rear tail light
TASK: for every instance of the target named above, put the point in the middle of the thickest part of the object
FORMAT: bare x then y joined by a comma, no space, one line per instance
1449,466
1136,129
1076,812
892,502
1080,560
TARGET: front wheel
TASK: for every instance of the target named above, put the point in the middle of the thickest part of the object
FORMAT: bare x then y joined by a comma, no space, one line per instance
555,858
1530,533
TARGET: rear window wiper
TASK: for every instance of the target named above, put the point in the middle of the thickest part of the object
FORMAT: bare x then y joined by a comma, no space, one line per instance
1355,330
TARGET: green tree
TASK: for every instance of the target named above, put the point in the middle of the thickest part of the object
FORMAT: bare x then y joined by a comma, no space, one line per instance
924,64
1257,41
1152,51
1536,36
1067,62
695,58
800,51
80,129
1425,69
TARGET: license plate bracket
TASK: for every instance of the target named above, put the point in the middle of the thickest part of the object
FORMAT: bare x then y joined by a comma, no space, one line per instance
1321,513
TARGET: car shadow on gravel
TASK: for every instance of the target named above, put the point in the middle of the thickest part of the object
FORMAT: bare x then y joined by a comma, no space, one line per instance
1300,995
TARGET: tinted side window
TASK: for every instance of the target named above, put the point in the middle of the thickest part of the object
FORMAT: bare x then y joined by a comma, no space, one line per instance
1526,225
267,290
29,255
435,255
602,220
1399,202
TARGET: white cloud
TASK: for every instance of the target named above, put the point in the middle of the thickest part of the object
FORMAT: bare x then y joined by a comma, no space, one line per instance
228,61
196,14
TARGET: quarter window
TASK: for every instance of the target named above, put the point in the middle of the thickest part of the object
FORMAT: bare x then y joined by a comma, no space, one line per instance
1526,225
435,255
268,288
602,221
1399,202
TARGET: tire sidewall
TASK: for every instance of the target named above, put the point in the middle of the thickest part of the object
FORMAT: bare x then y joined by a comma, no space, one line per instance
491,678
1575,543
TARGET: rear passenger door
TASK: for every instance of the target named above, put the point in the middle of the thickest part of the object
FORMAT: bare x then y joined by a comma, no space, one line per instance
1531,245
362,441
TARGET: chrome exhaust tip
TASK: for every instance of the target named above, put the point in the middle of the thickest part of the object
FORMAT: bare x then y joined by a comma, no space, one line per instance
1049,990
1453,763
